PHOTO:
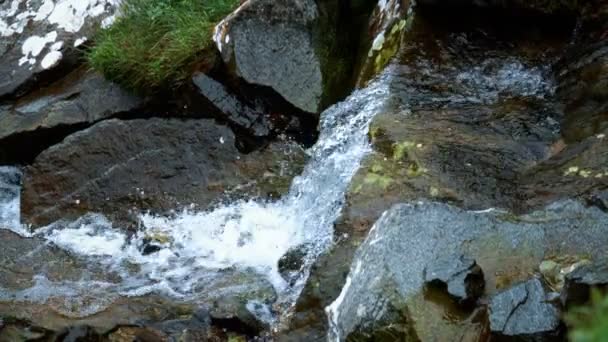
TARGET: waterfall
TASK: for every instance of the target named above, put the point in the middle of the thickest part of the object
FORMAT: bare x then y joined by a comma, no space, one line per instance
247,235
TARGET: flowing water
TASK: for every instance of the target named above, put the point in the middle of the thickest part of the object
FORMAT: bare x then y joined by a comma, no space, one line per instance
196,246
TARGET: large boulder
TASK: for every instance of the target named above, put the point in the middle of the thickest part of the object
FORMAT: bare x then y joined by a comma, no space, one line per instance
387,273
45,116
120,168
41,38
294,47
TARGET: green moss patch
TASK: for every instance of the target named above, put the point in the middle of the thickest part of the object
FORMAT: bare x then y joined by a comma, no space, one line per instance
153,44
589,323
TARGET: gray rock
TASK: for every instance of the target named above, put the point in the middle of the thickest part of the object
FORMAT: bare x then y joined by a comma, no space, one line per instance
40,37
600,198
578,283
233,314
45,116
296,47
523,312
120,167
388,269
270,44
461,275
82,97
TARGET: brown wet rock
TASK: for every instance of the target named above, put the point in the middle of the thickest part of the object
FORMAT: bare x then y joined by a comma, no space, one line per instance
120,168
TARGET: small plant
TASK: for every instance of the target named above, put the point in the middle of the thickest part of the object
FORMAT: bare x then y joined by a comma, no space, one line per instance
589,323
153,43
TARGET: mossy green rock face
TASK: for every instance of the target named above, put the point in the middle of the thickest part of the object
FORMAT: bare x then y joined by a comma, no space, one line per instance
387,25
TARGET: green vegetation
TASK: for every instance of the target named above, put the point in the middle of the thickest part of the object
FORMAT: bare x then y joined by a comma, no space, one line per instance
155,42
589,323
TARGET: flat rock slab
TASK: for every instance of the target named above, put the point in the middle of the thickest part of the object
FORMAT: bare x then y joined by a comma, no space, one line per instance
120,168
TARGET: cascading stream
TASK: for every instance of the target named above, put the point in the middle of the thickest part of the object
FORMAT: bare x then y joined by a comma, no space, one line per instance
248,235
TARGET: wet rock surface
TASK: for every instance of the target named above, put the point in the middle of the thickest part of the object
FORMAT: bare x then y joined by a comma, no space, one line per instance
471,107
54,290
40,39
508,249
525,313
251,118
252,110
44,117
489,104
156,164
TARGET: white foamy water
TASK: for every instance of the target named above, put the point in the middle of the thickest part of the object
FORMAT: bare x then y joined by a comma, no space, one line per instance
193,247
493,78
10,187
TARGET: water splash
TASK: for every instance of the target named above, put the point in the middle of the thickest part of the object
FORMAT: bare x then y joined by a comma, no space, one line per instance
190,247
10,199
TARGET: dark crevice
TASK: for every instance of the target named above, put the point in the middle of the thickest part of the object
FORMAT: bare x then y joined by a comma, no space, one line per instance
272,110
505,23
235,325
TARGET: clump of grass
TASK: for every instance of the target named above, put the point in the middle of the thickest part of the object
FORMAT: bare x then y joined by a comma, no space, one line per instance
153,43
589,323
